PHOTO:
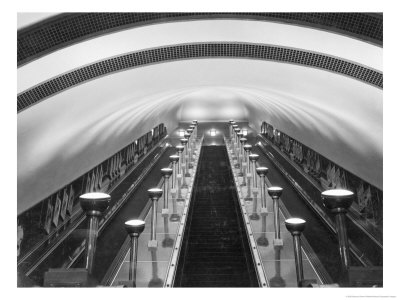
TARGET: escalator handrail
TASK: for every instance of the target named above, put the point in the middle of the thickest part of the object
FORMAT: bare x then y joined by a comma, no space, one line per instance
259,266
80,217
351,215
119,205
172,266
353,249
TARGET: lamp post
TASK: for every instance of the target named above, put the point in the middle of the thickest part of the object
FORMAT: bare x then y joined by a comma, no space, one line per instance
154,195
275,192
247,171
239,135
93,204
242,141
190,147
236,130
338,201
155,281
180,176
174,217
174,159
187,136
167,242
134,229
184,143
296,226
262,240
195,123
262,172
277,280
180,149
234,126
253,158
247,148
242,159
231,122
232,133
166,172
193,136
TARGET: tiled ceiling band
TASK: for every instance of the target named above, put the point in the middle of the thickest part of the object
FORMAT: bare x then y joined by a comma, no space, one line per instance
194,51
65,29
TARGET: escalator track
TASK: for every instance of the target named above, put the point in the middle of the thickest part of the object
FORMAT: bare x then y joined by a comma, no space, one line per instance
215,250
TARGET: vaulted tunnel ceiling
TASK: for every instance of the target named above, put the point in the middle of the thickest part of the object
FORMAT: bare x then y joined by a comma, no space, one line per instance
76,126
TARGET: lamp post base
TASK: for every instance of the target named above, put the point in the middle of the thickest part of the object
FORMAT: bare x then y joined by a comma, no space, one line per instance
127,284
313,283
263,241
254,217
152,244
167,242
175,218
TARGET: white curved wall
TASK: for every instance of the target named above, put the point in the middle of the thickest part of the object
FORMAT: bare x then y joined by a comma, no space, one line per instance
27,19
66,135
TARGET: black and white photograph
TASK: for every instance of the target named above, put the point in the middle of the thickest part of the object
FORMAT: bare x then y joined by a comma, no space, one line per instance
183,147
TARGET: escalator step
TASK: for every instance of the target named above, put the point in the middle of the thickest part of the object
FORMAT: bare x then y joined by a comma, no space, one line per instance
216,252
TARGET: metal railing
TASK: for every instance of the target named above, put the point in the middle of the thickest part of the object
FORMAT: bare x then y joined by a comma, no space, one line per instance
261,274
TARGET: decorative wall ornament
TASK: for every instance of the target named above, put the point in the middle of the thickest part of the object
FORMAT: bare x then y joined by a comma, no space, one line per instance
49,217
368,202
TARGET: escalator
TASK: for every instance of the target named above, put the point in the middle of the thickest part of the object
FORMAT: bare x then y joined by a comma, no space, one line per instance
66,248
110,240
321,239
368,248
215,250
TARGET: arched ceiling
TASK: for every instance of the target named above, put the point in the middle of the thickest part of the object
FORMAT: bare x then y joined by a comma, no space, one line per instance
70,131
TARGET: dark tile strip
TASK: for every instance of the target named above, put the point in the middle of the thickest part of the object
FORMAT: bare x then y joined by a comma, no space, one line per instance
69,28
194,51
